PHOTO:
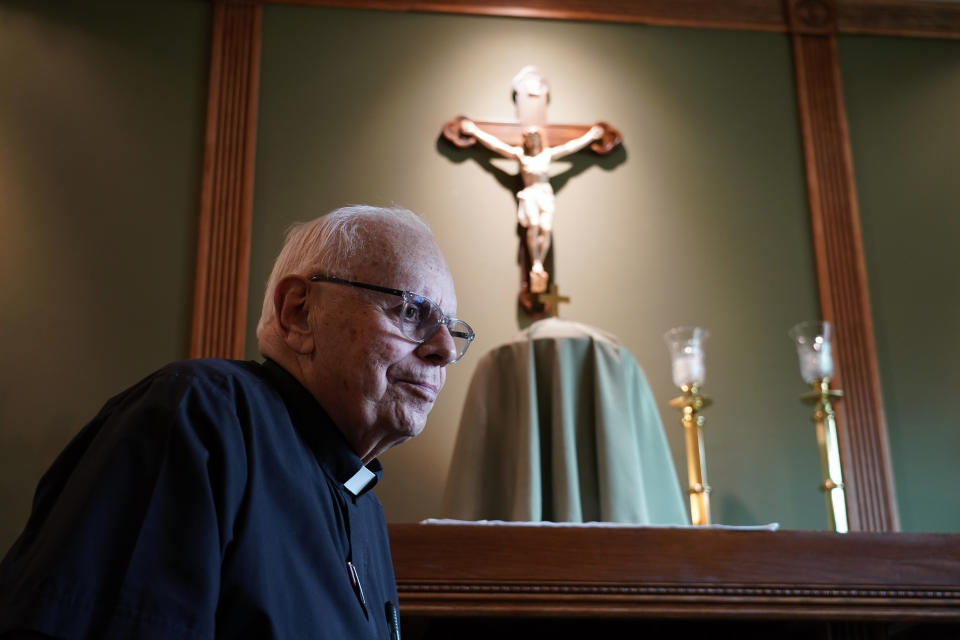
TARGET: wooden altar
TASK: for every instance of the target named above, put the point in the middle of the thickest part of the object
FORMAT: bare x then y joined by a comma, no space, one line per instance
470,581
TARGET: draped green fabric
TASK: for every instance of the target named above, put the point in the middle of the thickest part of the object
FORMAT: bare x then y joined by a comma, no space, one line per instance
560,425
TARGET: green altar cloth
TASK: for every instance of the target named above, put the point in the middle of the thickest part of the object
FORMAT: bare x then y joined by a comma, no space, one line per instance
560,425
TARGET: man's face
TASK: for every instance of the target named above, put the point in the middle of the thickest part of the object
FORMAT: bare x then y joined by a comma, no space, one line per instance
376,384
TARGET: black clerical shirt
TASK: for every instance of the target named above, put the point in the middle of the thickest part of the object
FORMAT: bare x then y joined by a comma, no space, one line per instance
214,499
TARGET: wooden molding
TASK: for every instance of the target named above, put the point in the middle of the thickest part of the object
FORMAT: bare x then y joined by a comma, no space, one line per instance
760,15
811,16
649,572
842,279
226,206
880,17
899,18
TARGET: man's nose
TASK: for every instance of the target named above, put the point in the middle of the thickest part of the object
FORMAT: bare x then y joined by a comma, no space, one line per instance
440,349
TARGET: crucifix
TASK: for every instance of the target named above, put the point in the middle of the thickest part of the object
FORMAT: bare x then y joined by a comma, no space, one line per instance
551,301
528,141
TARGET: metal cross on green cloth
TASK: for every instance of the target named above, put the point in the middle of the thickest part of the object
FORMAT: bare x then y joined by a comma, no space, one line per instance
552,300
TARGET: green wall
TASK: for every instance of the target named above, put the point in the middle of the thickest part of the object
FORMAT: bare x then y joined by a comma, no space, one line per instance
903,100
101,130
700,219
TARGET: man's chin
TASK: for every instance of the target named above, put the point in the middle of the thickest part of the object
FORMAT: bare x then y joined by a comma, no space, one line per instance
412,430
397,432
413,427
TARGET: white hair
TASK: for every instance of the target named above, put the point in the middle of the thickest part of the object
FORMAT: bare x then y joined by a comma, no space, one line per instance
328,244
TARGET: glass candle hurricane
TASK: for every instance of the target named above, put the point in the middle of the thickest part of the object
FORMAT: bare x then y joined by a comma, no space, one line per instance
686,354
816,367
813,349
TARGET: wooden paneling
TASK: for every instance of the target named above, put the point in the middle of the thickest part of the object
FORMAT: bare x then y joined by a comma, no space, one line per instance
884,17
842,280
760,15
223,239
519,571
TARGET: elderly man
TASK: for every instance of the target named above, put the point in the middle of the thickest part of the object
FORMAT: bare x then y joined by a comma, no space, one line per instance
222,499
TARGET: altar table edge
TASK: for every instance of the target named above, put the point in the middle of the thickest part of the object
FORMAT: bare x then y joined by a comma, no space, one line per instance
480,571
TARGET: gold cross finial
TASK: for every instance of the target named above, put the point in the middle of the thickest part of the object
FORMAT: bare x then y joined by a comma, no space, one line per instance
552,300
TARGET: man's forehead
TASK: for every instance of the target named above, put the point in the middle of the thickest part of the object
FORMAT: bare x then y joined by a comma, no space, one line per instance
404,258
397,249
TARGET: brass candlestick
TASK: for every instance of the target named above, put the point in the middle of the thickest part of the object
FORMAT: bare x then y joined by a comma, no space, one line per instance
830,468
814,350
690,403
687,360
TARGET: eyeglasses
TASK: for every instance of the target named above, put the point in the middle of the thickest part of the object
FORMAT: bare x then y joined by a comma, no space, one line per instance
420,317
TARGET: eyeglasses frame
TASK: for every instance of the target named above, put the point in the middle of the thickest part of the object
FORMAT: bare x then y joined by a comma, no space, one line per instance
445,320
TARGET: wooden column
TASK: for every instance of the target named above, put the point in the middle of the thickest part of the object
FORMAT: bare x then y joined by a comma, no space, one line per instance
841,269
223,239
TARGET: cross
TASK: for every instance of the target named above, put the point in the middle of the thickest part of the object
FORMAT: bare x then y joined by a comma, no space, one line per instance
551,301
512,133
535,145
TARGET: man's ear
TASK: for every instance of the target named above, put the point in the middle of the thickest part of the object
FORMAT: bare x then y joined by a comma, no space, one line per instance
292,310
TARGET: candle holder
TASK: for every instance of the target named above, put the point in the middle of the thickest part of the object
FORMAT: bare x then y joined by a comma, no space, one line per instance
816,368
686,354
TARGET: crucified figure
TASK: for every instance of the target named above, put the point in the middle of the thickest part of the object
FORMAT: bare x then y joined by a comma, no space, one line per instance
536,201
527,141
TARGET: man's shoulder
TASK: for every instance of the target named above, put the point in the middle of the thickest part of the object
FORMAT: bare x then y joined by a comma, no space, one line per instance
212,400
216,369
201,377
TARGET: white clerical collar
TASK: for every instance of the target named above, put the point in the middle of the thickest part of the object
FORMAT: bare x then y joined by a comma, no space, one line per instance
359,481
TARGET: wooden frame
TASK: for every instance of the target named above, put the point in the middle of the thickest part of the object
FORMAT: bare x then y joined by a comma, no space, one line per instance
226,207
842,273
880,17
